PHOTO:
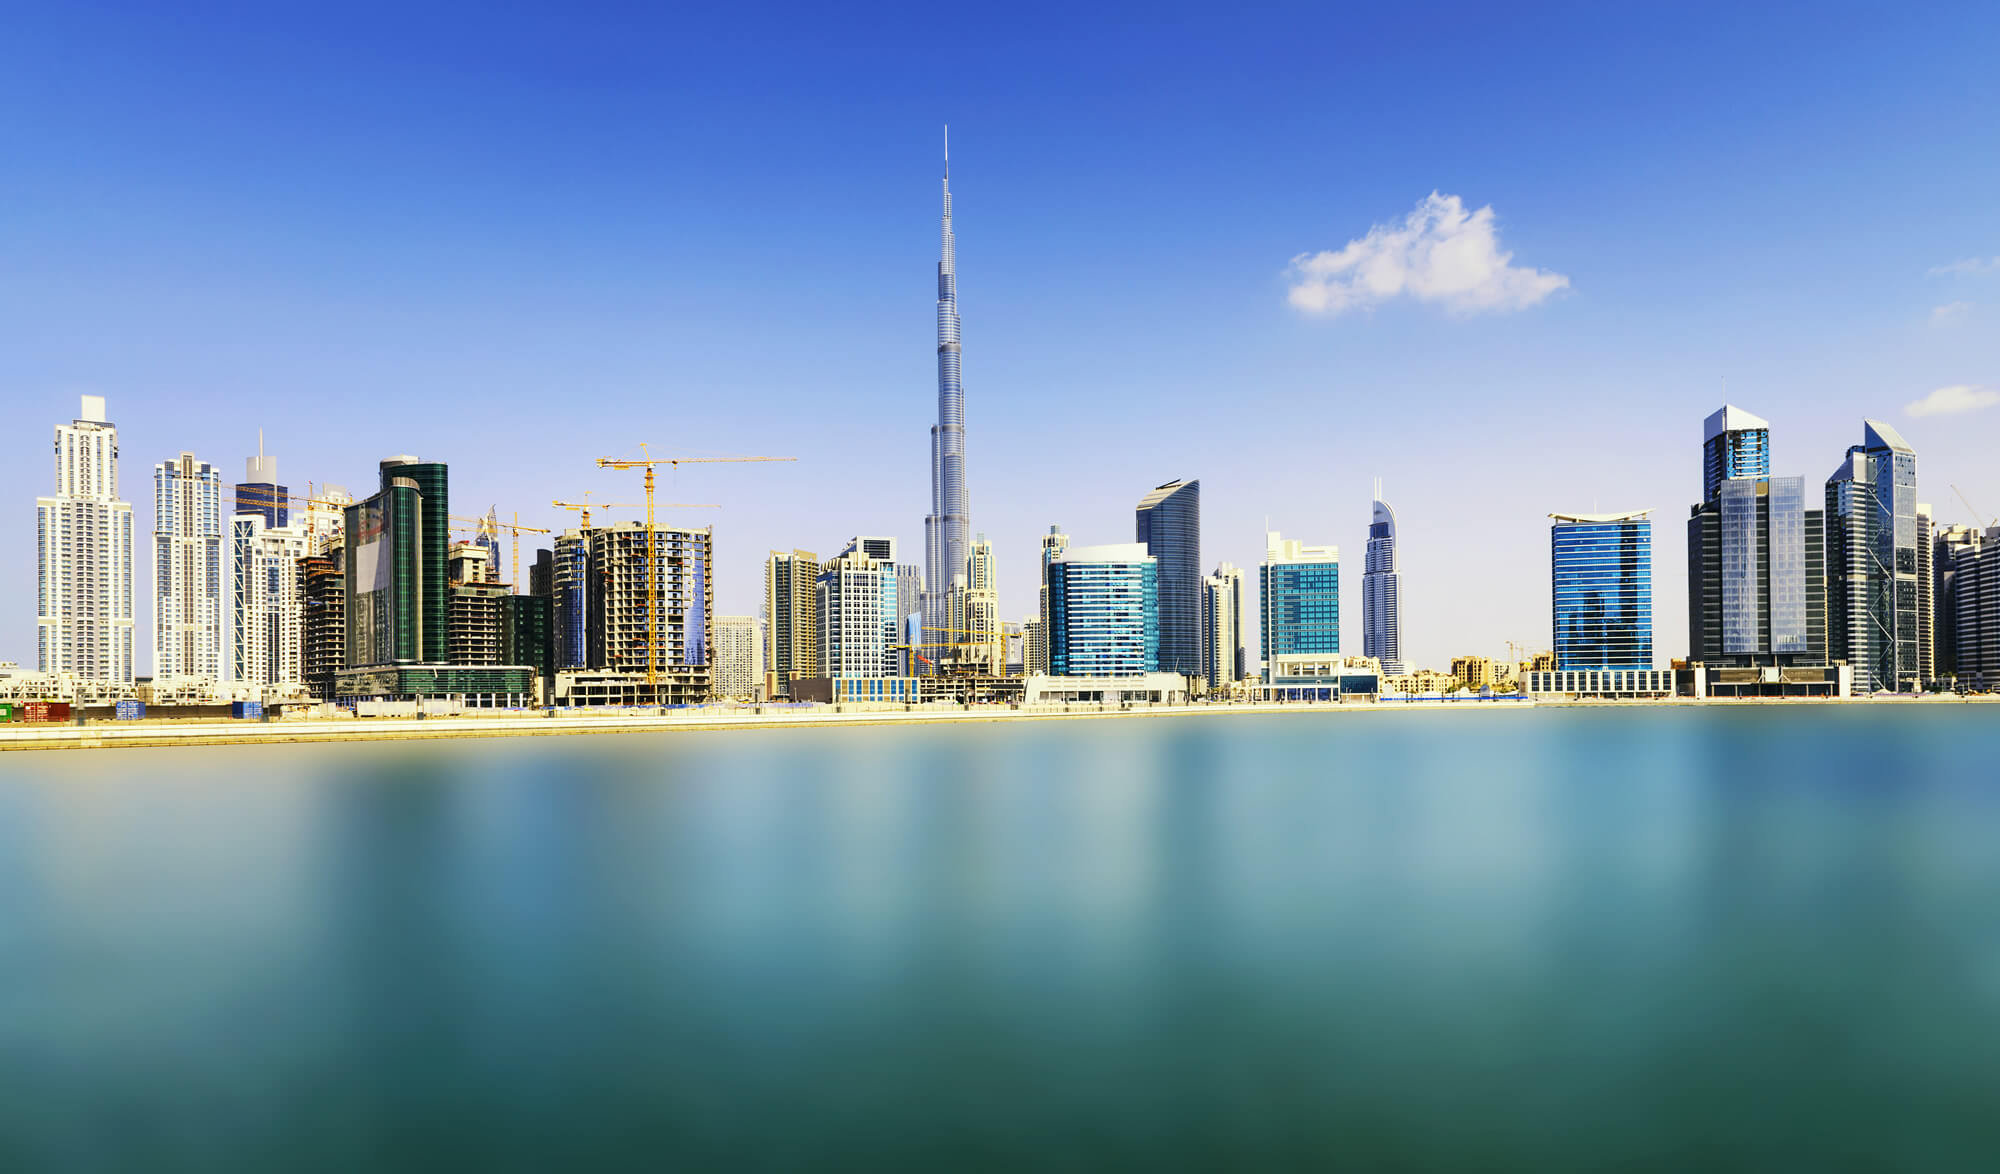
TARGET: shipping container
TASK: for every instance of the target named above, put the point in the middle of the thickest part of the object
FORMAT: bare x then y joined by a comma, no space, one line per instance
45,711
247,709
131,711
6,711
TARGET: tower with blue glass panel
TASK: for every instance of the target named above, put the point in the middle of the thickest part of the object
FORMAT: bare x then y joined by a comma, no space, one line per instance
1756,555
1601,571
1298,599
1104,612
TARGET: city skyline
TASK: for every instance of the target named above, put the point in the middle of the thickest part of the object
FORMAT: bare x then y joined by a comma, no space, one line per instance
224,301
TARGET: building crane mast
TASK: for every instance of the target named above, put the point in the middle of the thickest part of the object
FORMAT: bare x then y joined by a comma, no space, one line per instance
648,462
1976,515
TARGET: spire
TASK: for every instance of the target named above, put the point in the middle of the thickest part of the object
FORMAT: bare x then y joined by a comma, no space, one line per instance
947,152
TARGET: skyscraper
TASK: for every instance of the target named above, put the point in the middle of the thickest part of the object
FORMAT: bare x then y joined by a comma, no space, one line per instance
187,570
266,636
1382,592
259,491
1053,545
1873,603
1223,657
83,540
947,531
1601,573
855,602
1734,444
1168,522
1298,599
1946,546
791,619
739,656
1104,609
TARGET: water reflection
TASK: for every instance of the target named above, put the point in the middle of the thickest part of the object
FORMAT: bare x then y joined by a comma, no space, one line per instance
1537,939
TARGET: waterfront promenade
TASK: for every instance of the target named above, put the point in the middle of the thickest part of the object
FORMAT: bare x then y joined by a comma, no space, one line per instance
541,723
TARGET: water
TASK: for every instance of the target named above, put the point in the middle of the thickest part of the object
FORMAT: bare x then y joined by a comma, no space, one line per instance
1751,939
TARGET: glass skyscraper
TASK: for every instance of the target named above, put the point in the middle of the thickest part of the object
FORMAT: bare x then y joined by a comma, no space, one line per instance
1874,600
1168,523
1298,597
1601,569
1104,612
1734,444
1382,591
948,529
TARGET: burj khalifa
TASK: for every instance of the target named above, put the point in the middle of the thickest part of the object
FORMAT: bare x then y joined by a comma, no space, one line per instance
948,529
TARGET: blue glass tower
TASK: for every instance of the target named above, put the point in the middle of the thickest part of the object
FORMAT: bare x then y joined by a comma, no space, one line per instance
1104,617
947,531
1602,574
1734,444
1169,524
1298,594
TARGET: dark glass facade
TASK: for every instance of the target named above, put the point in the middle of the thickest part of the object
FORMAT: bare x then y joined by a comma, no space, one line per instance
1602,576
271,501
1169,524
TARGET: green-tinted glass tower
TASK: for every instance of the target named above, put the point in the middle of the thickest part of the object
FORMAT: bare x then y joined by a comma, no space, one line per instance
398,597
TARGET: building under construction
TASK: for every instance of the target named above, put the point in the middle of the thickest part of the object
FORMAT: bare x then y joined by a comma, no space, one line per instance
610,646
323,622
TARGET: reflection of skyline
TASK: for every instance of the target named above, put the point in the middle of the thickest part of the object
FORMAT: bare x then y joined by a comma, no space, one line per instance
1245,933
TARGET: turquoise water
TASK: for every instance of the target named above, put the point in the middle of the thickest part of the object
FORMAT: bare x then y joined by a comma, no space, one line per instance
1660,939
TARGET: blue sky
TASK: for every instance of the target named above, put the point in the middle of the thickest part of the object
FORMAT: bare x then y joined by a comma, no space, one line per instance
518,237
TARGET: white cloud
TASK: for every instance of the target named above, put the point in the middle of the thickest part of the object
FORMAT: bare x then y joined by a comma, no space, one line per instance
1949,401
1969,265
1439,253
1950,314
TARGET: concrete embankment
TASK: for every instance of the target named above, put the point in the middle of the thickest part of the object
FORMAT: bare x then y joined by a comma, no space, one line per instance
98,735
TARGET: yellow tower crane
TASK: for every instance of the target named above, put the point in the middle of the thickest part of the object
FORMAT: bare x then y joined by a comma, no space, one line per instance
648,462
516,528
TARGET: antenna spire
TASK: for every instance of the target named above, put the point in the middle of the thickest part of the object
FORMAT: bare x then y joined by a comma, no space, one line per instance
947,151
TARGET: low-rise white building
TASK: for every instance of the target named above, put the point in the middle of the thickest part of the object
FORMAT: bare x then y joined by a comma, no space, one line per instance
1144,689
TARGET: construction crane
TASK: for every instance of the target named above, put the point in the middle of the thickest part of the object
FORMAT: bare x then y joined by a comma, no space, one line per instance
515,527
648,462
1976,515
994,638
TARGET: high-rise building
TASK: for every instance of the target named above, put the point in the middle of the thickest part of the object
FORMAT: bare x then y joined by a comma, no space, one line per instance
477,623
1972,599
527,635
1756,547
1382,592
1053,545
266,637
388,577
1168,522
856,606
325,516
1104,611
259,492
739,657
1946,547
1926,597
619,622
83,539
1874,605
1601,570
1734,444
1224,658
1757,575
322,592
791,619
1298,599
973,615
187,570
948,529
1034,644
909,602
